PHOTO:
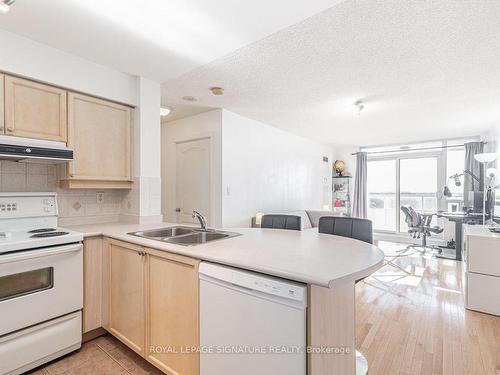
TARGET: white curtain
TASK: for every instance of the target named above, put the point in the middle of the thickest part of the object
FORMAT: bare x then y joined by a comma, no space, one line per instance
360,200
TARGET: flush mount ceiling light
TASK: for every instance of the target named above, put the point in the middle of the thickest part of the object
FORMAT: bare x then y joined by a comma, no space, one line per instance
165,111
217,90
359,106
189,98
5,5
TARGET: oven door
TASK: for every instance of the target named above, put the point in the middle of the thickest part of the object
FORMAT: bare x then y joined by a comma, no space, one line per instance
38,285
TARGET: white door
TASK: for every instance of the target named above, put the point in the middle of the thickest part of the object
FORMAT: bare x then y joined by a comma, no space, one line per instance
193,179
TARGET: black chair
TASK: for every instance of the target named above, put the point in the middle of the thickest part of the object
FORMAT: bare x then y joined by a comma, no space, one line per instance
290,222
359,229
419,226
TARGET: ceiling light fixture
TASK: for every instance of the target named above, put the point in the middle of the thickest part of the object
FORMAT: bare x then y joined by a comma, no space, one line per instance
5,5
359,106
189,98
217,90
165,111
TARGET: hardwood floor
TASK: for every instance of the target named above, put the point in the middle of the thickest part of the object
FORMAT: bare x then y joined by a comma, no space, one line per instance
417,323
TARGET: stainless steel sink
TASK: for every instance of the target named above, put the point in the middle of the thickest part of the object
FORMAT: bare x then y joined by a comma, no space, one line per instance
186,236
200,237
164,232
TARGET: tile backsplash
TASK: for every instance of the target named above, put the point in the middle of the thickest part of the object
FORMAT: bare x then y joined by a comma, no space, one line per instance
76,206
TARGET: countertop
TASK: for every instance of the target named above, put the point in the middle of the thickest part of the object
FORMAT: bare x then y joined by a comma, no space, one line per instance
479,231
304,256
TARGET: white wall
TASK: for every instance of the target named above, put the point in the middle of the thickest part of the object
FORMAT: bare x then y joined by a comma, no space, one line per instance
25,57
143,202
203,125
265,169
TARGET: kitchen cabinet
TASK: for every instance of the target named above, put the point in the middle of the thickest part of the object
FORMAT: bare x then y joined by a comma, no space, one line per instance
34,110
99,134
92,283
173,312
127,294
153,302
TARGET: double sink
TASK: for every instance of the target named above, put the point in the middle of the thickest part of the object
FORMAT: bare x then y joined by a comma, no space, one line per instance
186,236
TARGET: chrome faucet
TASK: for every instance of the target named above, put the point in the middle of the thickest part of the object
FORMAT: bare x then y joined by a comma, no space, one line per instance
201,219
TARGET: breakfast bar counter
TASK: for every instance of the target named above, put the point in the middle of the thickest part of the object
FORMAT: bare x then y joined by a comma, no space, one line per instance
329,265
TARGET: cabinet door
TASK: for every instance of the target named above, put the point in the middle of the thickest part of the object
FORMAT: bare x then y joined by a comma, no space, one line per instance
173,313
92,283
99,134
126,294
2,118
34,110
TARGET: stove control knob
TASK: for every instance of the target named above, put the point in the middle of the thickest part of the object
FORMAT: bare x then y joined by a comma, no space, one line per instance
28,150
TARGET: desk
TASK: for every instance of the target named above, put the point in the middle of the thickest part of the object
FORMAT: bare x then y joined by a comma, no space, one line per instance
460,218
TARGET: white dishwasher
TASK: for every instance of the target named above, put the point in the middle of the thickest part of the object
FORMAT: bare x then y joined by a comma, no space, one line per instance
251,323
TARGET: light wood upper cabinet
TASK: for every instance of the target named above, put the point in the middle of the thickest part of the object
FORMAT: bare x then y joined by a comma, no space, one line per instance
126,294
92,283
99,134
2,118
34,110
173,307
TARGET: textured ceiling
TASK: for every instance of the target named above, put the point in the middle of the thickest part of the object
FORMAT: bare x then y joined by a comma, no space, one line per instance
425,70
157,39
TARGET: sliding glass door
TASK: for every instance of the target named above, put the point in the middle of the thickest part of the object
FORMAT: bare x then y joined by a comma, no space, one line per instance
382,189
403,180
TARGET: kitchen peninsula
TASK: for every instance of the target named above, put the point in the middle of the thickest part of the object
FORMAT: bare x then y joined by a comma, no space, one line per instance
141,285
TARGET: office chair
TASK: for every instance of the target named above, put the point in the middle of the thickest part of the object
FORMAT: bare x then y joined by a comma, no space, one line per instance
290,222
419,226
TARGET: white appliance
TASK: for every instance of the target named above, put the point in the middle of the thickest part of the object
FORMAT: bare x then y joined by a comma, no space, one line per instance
41,283
251,323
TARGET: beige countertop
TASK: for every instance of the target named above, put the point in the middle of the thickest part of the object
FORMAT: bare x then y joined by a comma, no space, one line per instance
304,256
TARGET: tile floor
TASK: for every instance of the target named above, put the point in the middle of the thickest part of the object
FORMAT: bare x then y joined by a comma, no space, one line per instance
102,356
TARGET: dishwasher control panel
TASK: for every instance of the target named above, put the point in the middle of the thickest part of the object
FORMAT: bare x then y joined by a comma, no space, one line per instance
255,281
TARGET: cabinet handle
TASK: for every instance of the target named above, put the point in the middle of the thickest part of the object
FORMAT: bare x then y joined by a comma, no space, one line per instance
10,129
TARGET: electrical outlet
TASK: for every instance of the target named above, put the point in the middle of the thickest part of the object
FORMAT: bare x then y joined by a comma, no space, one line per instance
100,197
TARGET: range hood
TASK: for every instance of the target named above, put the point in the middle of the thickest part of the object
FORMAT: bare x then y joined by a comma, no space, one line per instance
34,150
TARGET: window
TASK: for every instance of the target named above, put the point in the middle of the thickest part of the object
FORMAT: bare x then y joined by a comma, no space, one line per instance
413,175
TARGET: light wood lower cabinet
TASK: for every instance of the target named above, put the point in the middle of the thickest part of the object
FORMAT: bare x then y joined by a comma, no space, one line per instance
92,283
173,313
153,305
127,294
35,110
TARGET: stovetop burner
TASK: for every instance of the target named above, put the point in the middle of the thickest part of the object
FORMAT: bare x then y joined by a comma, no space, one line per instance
42,230
48,234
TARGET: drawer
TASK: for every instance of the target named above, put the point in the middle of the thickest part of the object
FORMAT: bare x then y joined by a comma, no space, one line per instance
483,293
483,255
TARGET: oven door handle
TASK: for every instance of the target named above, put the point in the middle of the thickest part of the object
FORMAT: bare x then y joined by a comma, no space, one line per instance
32,254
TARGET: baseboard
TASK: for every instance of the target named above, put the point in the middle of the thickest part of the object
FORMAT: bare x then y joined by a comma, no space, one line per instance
95,333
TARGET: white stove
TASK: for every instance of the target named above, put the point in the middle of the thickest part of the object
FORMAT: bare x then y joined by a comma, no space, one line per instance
41,283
